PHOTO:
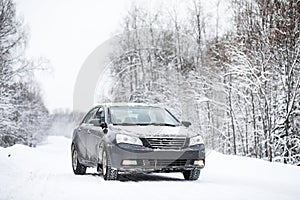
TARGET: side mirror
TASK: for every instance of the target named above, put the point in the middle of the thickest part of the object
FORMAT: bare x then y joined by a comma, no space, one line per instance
104,127
186,123
95,122
105,130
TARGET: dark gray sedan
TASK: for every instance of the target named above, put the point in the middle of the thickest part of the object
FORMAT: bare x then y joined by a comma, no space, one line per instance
136,138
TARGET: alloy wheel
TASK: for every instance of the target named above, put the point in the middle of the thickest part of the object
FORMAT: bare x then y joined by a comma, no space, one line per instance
74,159
104,163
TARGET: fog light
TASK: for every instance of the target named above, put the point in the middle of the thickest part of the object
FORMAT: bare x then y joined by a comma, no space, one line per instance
129,162
199,162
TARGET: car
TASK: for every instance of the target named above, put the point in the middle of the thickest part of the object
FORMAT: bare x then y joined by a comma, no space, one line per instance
128,138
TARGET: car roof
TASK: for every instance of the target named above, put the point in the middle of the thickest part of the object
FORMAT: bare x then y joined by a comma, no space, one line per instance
127,104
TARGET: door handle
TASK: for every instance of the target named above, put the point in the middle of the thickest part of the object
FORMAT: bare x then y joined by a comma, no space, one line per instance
88,131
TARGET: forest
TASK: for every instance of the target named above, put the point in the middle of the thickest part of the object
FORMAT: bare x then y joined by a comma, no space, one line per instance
23,115
239,87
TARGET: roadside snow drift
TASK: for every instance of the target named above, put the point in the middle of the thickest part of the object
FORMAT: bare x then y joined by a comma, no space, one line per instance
45,173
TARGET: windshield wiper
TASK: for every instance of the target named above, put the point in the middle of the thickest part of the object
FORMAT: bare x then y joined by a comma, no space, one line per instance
144,124
124,124
164,124
156,124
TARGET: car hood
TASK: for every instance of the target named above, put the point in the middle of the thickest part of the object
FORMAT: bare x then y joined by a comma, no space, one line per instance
153,131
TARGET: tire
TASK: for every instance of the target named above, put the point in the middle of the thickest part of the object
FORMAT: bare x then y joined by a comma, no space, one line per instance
78,168
191,175
107,171
99,168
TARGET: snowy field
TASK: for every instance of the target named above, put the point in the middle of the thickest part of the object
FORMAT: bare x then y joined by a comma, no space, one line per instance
45,173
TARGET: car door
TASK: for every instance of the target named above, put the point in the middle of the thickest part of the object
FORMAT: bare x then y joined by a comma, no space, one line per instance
82,132
95,136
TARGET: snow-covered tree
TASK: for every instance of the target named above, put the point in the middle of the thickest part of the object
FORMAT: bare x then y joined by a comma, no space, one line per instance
240,89
23,116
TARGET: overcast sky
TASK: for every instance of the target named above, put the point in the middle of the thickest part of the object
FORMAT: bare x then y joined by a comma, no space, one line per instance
66,32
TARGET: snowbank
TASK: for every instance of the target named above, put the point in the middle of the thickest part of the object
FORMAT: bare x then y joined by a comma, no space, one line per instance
45,173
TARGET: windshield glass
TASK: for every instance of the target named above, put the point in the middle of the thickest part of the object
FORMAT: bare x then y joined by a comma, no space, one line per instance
141,115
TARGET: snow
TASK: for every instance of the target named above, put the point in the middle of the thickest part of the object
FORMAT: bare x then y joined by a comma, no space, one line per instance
45,172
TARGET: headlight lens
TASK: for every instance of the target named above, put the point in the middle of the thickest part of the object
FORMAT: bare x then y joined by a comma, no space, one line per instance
196,140
120,138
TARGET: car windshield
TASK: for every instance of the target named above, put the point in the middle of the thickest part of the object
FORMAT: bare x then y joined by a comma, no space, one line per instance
141,115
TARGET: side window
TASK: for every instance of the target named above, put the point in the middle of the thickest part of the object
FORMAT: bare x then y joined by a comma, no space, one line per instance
100,115
89,116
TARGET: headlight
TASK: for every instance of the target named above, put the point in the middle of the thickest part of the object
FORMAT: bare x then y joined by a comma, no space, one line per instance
196,140
120,138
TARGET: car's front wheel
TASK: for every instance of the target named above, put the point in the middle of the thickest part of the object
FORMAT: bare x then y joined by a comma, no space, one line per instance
78,168
191,175
107,171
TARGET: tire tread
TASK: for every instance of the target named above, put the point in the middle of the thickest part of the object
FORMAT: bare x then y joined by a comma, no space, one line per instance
192,175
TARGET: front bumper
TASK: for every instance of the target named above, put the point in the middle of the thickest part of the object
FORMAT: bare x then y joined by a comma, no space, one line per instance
155,160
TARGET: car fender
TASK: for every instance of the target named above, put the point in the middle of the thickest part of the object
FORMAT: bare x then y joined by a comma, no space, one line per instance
101,148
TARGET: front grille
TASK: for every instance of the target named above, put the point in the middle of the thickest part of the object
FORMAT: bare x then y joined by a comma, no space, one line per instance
167,163
165,143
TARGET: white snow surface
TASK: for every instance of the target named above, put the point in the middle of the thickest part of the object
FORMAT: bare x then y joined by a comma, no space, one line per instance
45,173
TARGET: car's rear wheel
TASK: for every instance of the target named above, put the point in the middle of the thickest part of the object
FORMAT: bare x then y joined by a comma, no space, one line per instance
78,168
191,175
107,171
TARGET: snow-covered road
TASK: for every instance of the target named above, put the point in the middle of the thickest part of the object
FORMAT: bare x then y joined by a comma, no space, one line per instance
45,173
